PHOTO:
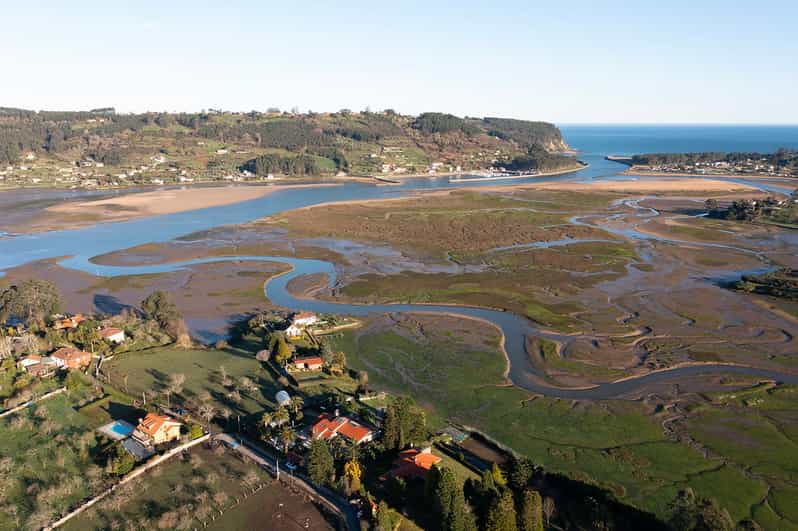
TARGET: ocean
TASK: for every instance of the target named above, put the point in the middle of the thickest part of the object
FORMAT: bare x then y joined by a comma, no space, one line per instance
633,139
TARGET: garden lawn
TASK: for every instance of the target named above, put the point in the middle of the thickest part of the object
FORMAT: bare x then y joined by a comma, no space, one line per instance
149,370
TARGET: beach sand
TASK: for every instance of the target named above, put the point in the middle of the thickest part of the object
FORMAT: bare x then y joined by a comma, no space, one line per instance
76,214
161,202
643,185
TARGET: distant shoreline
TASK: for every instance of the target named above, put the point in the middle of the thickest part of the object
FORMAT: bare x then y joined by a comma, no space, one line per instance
636,170
387,178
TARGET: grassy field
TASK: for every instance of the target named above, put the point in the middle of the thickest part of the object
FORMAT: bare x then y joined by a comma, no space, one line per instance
149,371
617,444
188,491
46,463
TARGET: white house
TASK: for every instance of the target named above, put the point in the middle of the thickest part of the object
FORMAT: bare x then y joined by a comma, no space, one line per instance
114,335
293,331
305,319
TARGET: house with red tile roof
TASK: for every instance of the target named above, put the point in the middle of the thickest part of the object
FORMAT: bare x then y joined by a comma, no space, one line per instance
413,463
156,429
71,358
328,427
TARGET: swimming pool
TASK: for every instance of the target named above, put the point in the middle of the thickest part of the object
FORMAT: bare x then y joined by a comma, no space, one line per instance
117,430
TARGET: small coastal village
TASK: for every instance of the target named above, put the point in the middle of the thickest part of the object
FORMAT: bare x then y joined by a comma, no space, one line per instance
359,458
782,163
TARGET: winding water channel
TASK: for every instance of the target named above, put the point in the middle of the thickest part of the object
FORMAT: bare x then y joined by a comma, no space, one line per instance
79,246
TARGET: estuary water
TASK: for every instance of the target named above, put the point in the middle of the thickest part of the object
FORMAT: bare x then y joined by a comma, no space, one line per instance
593,142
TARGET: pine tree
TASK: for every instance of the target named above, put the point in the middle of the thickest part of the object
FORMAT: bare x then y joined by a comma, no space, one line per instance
321,467
390,429
501,516
531,516
448,501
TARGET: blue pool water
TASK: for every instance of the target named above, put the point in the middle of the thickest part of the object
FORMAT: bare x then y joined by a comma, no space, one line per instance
120,428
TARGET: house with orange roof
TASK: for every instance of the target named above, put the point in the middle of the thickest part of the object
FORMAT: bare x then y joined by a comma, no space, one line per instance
306,363
412,463
68,323
328,427
156,429
71,358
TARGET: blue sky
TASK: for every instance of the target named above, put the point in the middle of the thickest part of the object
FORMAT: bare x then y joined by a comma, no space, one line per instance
567,62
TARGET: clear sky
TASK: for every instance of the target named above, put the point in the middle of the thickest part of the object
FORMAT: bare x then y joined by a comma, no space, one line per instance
698,61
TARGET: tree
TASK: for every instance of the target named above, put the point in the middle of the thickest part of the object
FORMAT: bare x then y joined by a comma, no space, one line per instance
175,386
281,416
690,513
287,436
549,509
87,335
247,384
352,474
121,462
748,525
385,519
296,406
446,497
31,301
363,382
6,347
207,412
403,423
531,516
158,306
284,352
521,471
30,343
391,436
321,467
498,475
501,516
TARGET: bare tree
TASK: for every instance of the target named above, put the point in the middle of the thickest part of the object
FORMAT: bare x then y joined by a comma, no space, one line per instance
6,347
176,381
250,479
235,397
247,384
220,498
549,508
225,414
30,343
207,412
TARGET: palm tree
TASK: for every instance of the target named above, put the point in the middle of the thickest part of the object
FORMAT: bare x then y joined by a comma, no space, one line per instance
281,416
287,436
296,404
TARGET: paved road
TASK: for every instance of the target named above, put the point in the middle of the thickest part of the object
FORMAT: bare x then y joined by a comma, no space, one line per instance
331,500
